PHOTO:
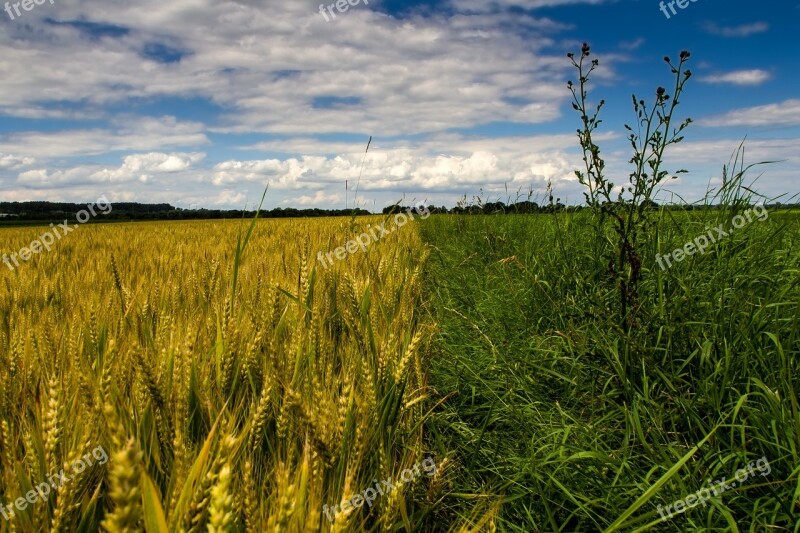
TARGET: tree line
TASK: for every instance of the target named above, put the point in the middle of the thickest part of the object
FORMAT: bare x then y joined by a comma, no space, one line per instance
39,211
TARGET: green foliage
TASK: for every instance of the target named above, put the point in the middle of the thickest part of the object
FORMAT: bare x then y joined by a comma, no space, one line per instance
537,399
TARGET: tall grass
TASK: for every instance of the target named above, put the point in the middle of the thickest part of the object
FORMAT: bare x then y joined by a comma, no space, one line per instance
543,409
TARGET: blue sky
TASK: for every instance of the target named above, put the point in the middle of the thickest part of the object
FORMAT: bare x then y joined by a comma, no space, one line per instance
201,103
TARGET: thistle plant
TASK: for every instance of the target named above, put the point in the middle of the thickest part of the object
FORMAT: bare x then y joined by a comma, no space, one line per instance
629,211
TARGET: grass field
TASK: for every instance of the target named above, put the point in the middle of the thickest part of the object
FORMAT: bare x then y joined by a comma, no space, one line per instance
549,404
473,362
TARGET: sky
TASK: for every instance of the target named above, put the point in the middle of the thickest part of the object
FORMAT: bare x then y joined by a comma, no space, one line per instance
202,103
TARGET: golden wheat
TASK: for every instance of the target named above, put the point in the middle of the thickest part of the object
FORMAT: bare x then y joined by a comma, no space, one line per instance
126,334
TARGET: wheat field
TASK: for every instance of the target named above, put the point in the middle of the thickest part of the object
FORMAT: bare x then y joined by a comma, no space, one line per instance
251,410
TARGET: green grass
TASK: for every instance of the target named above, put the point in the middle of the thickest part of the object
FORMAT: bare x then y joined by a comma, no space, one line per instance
549,407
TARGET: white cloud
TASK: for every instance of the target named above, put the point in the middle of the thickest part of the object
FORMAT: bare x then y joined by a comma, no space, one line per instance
442,163
438,170
743,30
484,5
128,133
284,174
227,197
266,65
786,113
320,199
143,166
739,77
13,162
704,160
718,152
48,178
632,45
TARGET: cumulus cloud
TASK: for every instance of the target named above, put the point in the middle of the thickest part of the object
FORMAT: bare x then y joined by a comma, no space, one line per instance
143,166
48,178
281,174
13,162
436,165
319,199
225,197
